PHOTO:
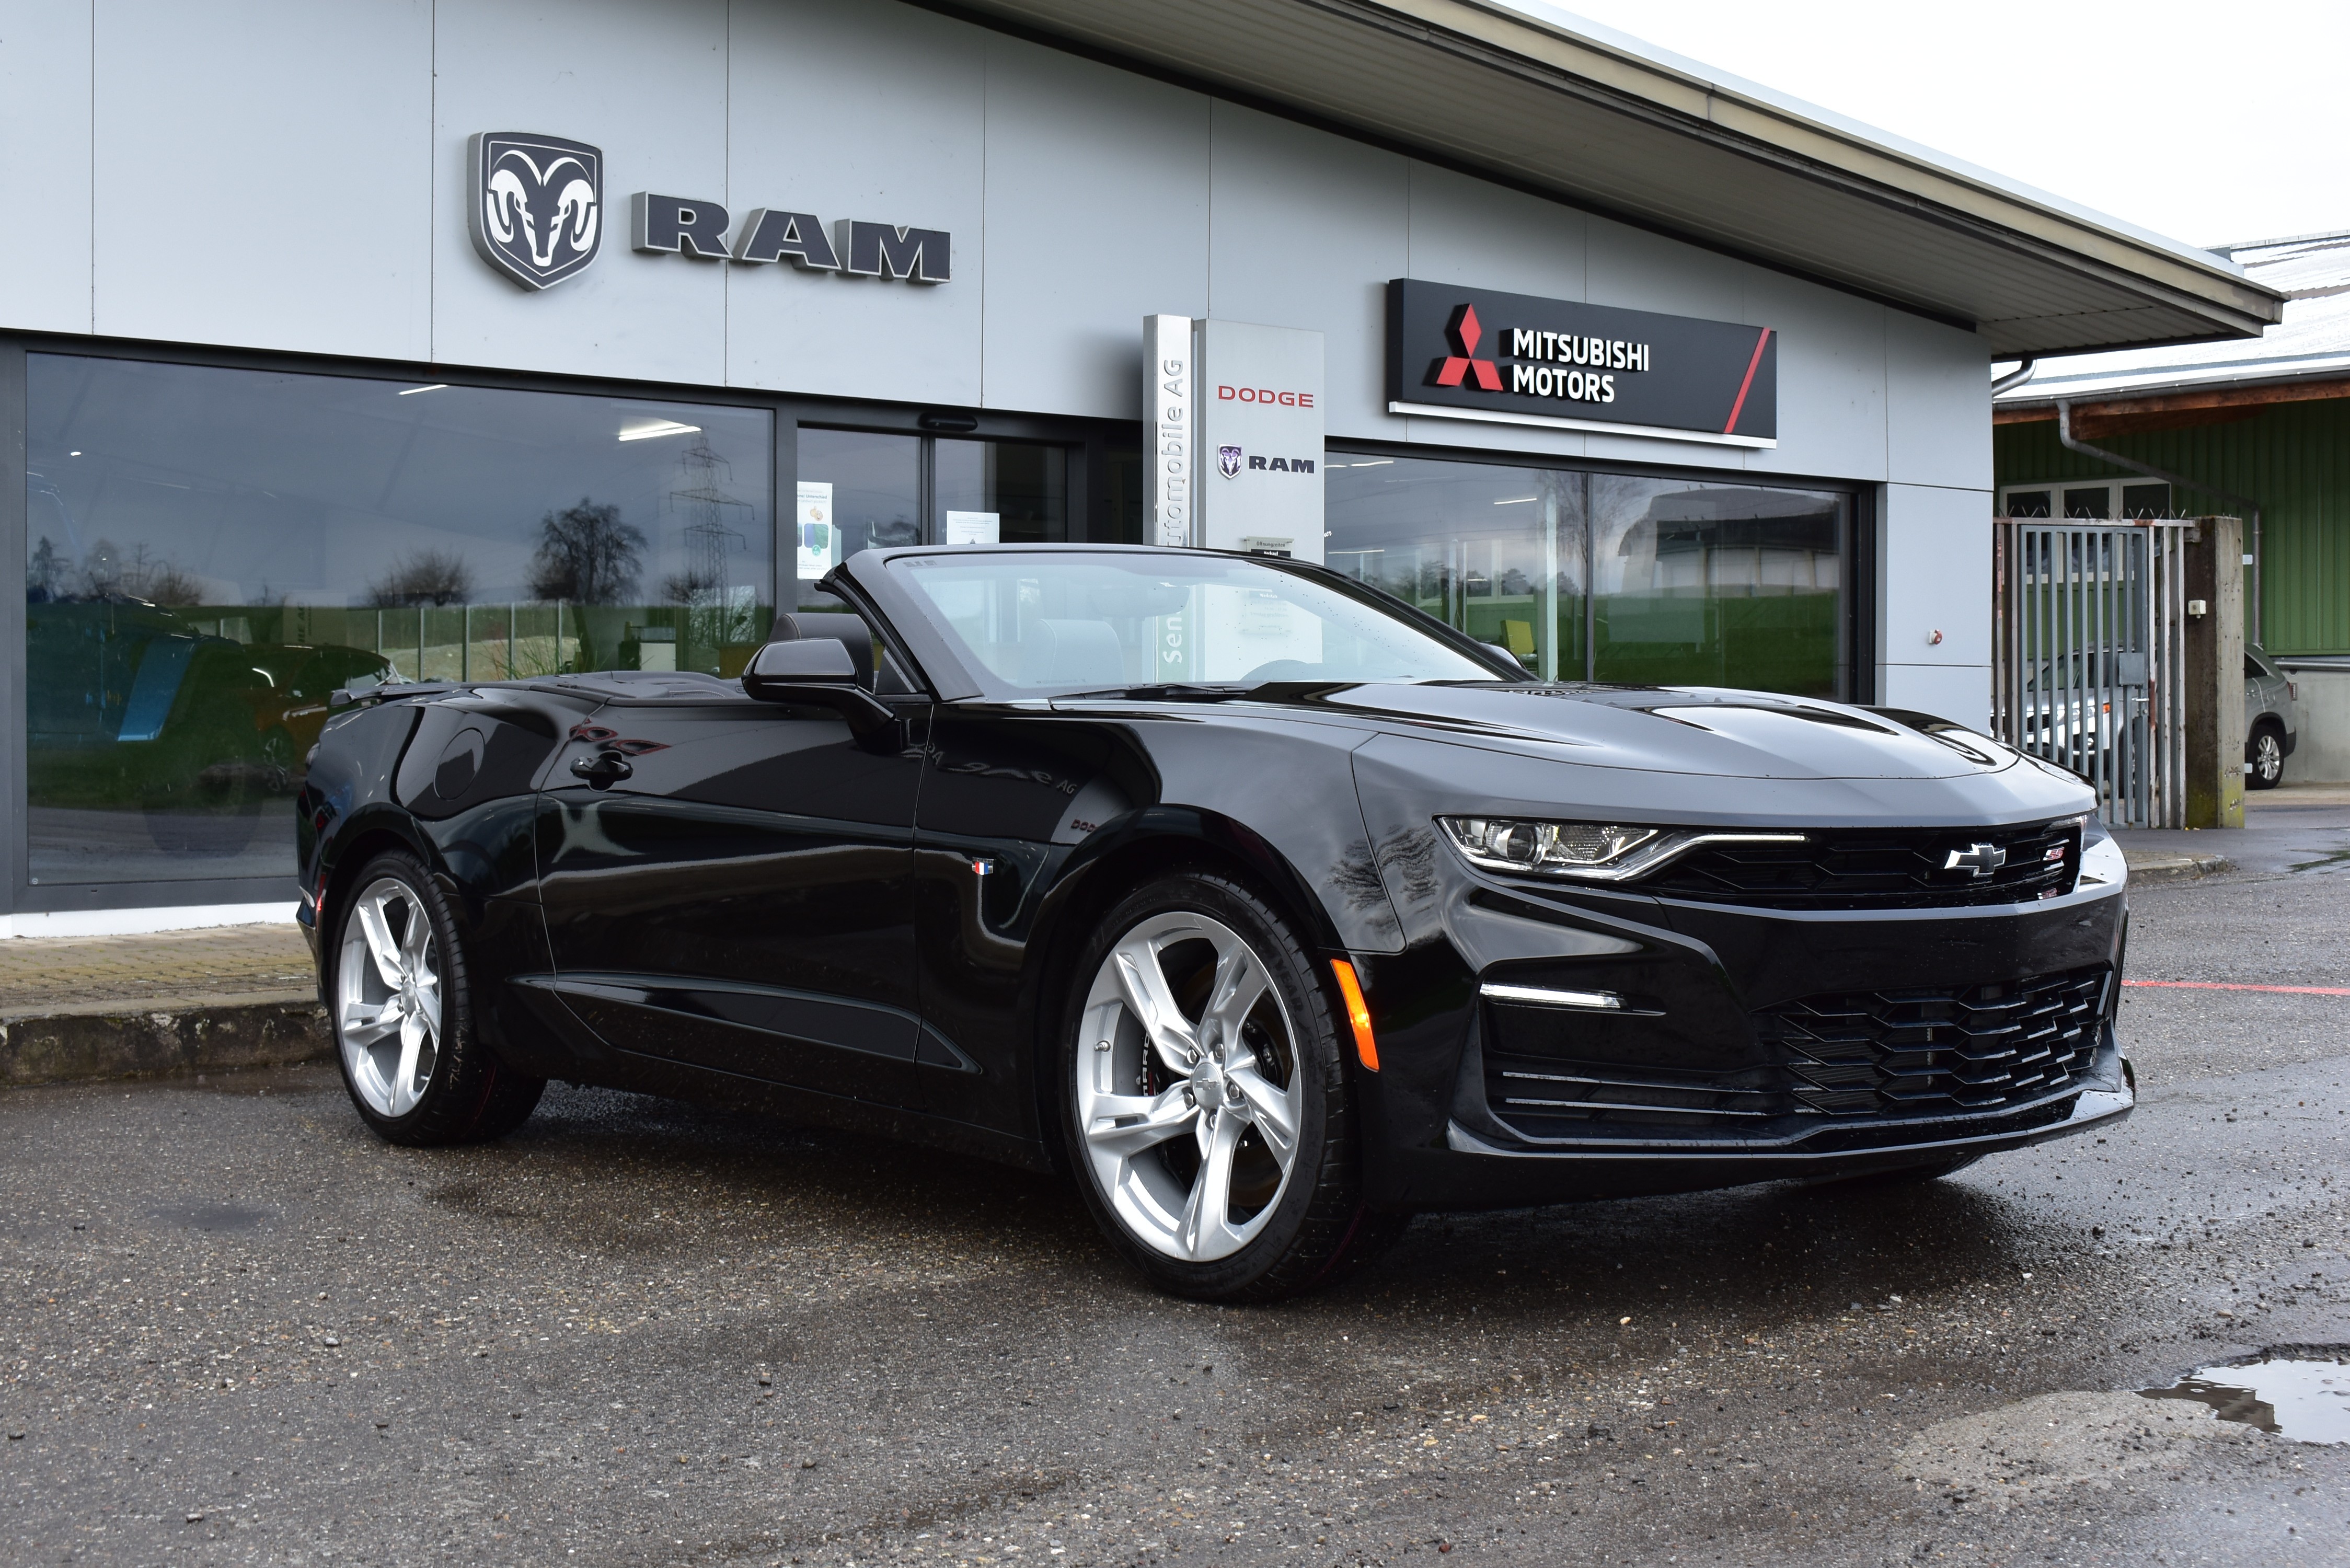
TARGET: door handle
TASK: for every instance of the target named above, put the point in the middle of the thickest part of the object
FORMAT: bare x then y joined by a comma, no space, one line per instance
603,770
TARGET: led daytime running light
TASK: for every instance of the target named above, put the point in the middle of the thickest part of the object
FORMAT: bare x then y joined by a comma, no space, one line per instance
1593,852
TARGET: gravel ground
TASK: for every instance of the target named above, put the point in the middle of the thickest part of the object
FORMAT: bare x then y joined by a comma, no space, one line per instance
236,1329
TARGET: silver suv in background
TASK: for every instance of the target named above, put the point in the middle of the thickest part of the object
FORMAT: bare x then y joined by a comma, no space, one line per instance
2273,726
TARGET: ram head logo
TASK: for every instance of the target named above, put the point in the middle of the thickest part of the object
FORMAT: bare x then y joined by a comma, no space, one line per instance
538,205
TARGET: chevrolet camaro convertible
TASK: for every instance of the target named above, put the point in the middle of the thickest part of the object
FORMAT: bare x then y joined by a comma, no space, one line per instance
1267,908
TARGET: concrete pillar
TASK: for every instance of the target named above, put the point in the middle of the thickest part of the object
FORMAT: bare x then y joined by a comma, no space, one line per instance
2214,650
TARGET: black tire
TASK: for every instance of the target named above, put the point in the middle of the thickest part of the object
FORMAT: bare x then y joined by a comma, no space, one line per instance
470,1095
1898,1178
1317,1225
2264,758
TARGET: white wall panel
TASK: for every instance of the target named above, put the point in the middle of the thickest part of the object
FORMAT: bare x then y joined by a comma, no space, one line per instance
648,86
1305,229
262,175
1935,568
45,125
1831,378
1937,404
1961,693
1097,215
874,112
1482,235
1640,271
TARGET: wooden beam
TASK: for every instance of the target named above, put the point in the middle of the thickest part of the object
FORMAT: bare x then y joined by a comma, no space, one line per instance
2174,411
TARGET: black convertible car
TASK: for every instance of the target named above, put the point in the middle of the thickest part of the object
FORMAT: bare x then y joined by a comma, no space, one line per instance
1272,908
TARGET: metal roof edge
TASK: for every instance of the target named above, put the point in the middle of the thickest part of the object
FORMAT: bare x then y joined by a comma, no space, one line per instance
1952,182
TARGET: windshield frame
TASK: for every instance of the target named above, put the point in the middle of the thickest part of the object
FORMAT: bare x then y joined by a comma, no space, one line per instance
909,614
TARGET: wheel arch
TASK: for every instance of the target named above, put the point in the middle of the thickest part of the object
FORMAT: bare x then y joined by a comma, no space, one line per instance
369,839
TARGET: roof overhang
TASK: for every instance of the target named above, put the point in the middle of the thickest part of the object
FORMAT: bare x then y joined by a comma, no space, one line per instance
2181,404
1550,103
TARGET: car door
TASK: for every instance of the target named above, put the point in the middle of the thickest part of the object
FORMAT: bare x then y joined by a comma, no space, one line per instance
728,886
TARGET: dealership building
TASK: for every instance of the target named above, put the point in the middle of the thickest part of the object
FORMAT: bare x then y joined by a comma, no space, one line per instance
395,341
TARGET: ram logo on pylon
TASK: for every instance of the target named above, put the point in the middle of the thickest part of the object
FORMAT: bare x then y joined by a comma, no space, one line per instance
1463,332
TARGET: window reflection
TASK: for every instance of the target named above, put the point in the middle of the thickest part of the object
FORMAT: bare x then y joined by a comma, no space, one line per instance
1496,551
858,490
211,553
1005,492
1718,585
1669,582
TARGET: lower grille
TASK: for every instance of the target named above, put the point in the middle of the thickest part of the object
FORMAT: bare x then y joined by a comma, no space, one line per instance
1846,1058
1932,1052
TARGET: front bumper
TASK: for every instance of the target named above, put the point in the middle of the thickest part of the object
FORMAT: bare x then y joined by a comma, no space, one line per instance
1919,1036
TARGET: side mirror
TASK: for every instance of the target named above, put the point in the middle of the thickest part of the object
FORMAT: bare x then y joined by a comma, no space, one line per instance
780,664
817,672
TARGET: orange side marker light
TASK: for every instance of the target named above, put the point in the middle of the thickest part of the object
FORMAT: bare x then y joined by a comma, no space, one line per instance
1358,1014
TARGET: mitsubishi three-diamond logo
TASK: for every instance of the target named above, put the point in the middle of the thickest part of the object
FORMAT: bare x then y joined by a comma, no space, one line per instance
1464,333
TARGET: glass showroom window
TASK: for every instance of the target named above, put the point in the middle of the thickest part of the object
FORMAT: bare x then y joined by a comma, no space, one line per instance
211,552
1607,576
1496,551
1718,585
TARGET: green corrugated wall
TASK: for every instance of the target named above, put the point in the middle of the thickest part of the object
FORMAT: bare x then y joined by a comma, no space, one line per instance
2294,459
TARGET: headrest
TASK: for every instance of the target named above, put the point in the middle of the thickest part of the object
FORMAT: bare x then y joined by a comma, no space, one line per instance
849,630
1071,653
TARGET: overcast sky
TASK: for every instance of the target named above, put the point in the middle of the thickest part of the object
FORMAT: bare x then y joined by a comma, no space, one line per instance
2212,124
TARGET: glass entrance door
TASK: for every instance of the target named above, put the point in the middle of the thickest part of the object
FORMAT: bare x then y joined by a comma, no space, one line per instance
861,490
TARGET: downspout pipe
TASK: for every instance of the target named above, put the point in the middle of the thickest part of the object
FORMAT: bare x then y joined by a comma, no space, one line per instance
2015,378
2176,481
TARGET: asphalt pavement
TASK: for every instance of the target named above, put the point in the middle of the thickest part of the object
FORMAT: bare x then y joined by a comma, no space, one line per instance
234,1328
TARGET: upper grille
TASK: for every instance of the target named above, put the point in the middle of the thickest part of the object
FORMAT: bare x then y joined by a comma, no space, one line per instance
1847,1058
1881,869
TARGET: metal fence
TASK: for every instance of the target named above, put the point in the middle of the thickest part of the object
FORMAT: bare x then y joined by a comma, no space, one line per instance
2086,656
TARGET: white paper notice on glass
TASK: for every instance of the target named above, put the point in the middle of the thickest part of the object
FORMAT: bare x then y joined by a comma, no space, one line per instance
975,529
819,549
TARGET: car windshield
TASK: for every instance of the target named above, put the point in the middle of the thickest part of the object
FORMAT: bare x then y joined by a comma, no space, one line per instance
1067,622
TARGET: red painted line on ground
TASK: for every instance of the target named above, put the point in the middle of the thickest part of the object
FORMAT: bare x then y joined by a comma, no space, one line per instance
2228,985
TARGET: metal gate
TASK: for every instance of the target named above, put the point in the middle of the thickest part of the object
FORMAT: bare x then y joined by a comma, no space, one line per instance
2086,656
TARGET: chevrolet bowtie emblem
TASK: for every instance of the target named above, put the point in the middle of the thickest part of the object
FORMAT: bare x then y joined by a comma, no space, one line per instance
1976,859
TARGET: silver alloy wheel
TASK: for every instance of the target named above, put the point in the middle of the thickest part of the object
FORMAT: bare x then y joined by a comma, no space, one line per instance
2268,756
388,998
1189,1116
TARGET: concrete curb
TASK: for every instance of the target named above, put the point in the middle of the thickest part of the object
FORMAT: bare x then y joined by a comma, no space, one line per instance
2175,867
126,1041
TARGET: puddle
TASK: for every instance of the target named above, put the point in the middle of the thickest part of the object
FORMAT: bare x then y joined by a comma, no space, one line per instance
2297,1391
210,1215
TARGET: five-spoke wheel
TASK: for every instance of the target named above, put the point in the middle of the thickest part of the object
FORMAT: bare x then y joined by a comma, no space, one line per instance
388,1012
1208,1110
2267,759
1191,1112
402,1026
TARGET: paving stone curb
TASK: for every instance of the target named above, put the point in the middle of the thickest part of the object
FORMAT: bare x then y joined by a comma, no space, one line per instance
2170,866
119,1041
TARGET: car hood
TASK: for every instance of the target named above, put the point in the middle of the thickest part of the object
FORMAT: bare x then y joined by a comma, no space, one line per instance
1710,731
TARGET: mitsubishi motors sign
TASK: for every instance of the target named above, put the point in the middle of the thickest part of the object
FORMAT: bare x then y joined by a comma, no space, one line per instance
1513,358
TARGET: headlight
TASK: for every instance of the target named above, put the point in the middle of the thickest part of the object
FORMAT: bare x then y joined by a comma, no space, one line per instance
1507,844
1591,851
